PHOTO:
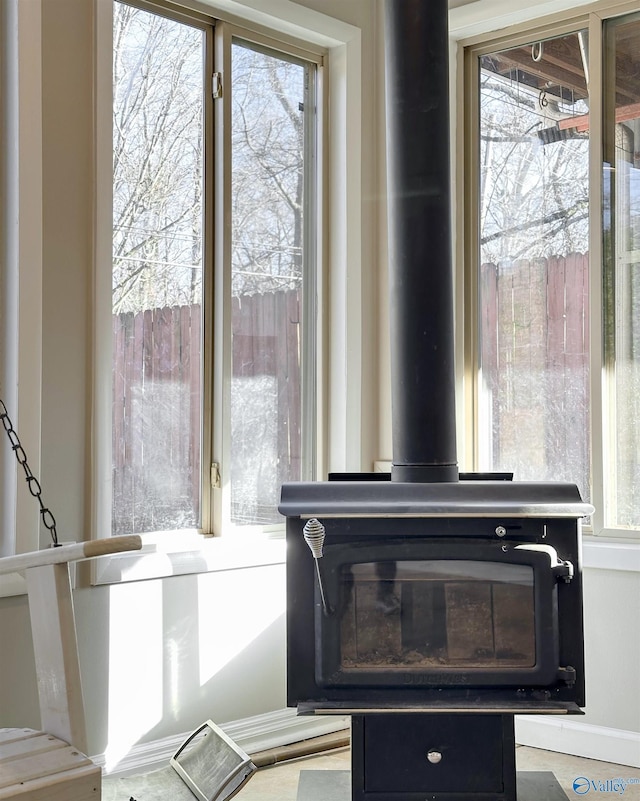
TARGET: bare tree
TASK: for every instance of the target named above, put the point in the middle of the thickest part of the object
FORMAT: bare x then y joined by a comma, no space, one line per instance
268,151
534,193
157,161
158,127
534,292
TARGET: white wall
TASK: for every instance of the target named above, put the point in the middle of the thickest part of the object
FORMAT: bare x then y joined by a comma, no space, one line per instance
158,657
612,648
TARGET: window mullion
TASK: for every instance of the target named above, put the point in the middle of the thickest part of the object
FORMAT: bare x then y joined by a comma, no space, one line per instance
208,405
309,271
222,279
468,187
599,403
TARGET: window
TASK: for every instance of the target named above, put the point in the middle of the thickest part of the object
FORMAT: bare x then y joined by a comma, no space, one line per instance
158,268
533,285
213,324
271,206
540,297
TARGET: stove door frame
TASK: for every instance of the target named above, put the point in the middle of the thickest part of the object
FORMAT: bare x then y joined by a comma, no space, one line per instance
547,571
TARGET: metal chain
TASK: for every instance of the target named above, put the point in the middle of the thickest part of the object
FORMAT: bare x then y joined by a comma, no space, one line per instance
48,520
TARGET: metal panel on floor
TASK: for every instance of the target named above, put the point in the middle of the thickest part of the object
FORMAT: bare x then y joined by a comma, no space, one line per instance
335,785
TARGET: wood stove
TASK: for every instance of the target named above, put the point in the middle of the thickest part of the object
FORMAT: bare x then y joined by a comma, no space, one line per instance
432,613
431,606
463,595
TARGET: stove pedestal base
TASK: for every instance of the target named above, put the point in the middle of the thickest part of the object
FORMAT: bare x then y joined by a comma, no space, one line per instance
431,757
450,757
335,785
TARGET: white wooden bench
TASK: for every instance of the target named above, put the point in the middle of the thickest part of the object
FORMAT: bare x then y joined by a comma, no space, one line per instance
36,766
51,764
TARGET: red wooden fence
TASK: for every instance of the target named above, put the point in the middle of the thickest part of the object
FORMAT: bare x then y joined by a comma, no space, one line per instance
534,340
266,342
535,365
157,402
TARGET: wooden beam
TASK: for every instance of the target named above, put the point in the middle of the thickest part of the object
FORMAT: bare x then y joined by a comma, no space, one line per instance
547,71
581,123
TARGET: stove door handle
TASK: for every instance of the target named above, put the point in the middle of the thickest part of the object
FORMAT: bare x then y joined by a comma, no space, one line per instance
563,571
313,533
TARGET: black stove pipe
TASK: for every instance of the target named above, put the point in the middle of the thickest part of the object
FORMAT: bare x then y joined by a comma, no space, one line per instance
420,264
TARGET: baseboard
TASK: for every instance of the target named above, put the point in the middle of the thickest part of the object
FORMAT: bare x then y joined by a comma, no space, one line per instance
282,727
258,733
279,728
579,739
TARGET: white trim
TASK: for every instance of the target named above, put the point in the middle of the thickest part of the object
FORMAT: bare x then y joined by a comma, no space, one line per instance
610,555
182,553
101,447
282,727
345,256
617,746
487,16
21,265
284,17
258,733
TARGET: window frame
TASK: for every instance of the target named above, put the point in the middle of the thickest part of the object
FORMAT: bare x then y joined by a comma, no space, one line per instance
207,26
467,187
609,379
171,553
225,35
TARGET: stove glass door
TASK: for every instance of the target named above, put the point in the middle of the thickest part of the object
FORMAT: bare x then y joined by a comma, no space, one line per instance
436,614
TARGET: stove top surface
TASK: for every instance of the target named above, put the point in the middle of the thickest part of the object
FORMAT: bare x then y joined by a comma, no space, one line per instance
450,499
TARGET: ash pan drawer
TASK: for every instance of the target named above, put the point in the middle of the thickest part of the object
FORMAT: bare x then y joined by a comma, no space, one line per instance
437,753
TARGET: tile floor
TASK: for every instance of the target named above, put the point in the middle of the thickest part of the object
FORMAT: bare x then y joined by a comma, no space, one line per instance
280,782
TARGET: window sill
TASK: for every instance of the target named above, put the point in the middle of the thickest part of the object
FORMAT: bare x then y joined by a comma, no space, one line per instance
191,553
174,555
184,553
598,554
196,554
